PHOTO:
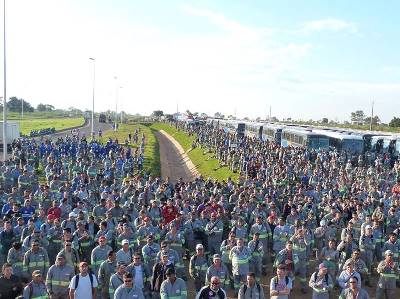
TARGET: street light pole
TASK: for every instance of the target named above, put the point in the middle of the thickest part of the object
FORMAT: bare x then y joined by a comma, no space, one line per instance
94,78
116,105
121,108
5,86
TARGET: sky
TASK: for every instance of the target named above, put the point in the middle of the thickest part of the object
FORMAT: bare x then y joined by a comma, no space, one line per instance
305,59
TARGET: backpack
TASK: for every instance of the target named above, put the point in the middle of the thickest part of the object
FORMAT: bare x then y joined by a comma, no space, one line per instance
326,278
31,290
77,279
276,280
258,286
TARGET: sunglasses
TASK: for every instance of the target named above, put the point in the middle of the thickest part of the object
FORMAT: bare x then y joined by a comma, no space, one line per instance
130,280
68,245
136,258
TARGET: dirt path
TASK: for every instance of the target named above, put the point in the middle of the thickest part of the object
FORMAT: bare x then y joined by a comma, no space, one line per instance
175,163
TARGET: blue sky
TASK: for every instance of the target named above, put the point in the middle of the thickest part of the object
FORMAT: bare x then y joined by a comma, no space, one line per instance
306,59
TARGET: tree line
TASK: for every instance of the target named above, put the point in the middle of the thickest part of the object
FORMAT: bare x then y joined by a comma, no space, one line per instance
14,104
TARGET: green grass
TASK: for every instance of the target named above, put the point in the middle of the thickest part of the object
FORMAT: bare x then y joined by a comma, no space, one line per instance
44,114
205,163
26,125
151,150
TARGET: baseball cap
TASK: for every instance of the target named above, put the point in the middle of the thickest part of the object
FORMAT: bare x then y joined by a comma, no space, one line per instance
388,252
61,255
199,246
125,241
368,227
169,271
36,273
102,238
322,266
216,257
72,214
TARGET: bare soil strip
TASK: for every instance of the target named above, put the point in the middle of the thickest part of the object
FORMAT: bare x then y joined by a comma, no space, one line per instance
175,163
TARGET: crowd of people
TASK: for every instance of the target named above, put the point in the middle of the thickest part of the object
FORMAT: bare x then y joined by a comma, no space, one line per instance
81,219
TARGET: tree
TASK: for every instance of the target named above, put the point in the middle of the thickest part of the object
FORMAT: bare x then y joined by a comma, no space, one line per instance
395,122
45,107
15,105
325,120
375,120
157,113
358,117
218,115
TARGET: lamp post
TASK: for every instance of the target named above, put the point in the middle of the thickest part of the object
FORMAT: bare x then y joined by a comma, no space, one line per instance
5,86
94,78
121,108
116,105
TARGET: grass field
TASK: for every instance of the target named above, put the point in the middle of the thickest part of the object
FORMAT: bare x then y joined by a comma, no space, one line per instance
27,124
205,163
151,149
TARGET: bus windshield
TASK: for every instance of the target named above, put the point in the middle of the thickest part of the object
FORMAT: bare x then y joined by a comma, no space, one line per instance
316,142
323,143
241,128
353,146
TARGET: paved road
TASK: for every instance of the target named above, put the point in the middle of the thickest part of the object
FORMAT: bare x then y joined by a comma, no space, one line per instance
85,129
172,162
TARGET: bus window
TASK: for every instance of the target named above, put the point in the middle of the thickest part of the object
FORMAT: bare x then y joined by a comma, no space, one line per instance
313,142
385,145
352,146
323,143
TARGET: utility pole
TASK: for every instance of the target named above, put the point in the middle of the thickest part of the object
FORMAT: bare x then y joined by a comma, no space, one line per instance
116,105
94,78
372,116
5,86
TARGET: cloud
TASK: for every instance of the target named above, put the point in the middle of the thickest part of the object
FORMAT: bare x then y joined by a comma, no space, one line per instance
330,24
222,22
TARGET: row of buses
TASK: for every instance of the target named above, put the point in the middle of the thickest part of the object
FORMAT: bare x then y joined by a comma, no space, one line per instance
318,138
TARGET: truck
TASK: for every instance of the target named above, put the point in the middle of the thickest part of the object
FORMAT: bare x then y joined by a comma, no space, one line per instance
102,118
12,132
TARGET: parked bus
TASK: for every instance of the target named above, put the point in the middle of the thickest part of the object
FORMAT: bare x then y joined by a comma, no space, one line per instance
271,132
304,138
343,141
